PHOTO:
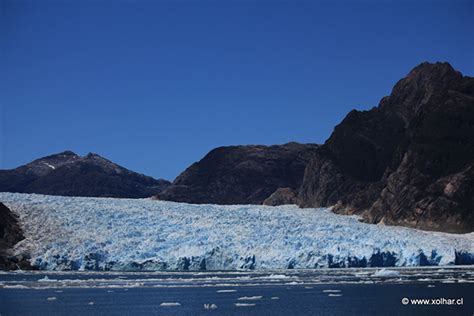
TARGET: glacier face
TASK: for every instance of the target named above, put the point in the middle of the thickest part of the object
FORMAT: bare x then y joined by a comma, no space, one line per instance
76,233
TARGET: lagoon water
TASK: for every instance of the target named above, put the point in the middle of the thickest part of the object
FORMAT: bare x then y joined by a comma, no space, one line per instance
367,291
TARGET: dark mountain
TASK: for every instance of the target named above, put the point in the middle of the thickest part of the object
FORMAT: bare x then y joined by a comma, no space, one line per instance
409,161
69,174
241,174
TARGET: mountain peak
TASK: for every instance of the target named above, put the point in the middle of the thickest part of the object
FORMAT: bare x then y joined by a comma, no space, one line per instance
68,153
93,155
439,71
63,154
423,85
427,66
98,159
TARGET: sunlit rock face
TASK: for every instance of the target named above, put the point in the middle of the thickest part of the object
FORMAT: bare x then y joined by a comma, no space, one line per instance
77,233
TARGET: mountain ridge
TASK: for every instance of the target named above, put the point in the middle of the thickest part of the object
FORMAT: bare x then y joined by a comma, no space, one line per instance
243,174
69,174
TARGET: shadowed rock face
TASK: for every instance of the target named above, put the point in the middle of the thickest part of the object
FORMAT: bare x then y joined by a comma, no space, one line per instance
10,234
409,161
241,174
69,174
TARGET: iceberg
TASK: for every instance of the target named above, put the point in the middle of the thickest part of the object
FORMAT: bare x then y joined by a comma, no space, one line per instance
78,233
385,273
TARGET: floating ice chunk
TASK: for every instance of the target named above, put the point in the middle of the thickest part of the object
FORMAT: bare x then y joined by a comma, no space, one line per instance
274,298
46,279
90,303
425,279
134,284
250,298
331,291
334,295
431,285
15,286
226,291
169,304
276,276
244,304
294,283
210,306
386,273
52,298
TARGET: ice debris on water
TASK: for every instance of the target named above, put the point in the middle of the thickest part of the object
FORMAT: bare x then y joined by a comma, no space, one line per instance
169,304
386,273
79,233
46,279
250,298
244,304
210,306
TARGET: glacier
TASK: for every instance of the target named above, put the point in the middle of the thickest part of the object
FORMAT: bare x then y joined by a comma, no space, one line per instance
78,233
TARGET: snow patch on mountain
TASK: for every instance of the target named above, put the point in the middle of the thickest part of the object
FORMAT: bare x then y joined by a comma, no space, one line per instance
49,165
77,233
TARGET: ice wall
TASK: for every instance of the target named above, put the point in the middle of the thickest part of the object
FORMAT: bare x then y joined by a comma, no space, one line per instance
75,233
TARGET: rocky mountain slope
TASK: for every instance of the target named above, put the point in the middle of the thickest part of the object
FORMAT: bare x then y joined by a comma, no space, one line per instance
72,175
241,174
409,161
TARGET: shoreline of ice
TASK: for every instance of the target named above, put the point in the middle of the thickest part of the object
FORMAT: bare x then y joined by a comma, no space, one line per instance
77,233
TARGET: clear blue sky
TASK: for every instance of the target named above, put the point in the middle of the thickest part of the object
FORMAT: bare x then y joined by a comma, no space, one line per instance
154,85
